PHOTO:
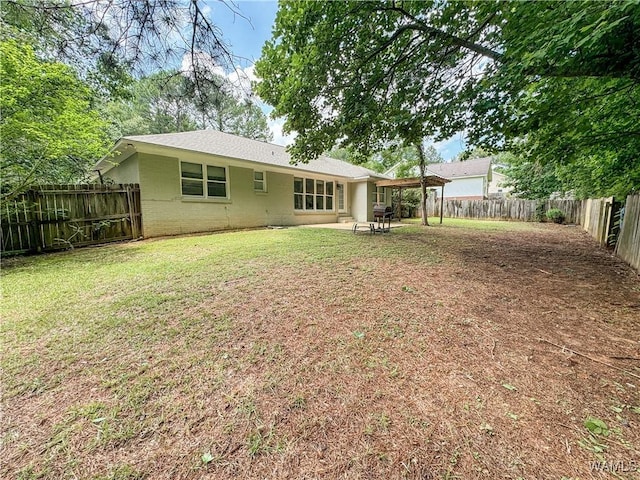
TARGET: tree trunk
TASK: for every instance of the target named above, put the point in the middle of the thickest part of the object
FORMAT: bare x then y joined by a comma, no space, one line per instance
423,183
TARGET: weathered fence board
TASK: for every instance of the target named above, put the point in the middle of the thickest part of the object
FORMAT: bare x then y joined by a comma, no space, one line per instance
54,217
628,246
503,209
596,218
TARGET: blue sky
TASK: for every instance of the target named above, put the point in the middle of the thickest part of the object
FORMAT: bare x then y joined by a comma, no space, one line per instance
245,36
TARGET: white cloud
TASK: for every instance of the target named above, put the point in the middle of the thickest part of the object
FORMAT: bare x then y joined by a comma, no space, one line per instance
451,146
279,138
240,80
202,61
206,10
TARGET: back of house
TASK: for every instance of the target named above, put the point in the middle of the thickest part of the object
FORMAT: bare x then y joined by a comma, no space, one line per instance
207,180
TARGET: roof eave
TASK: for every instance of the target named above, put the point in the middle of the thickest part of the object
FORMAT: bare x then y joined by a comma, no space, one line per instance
125,147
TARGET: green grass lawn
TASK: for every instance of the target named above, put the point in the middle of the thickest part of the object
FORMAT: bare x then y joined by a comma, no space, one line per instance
275,353
93,292
73,314
97,283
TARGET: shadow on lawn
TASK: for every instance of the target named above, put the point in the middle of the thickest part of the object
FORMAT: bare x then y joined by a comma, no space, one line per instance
92,256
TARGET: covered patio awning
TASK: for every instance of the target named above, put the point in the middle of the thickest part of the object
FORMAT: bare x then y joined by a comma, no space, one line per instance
415,182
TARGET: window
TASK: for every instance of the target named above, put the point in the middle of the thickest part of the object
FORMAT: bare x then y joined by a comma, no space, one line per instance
319,195
216,181
379,195
309,188
259,182
298,193
313,195
340,192
193,181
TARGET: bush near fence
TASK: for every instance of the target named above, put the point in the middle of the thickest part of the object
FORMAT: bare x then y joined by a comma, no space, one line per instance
56,217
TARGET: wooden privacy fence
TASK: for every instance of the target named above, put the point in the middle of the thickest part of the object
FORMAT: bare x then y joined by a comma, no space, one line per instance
628,246
596,218
56,217
504,209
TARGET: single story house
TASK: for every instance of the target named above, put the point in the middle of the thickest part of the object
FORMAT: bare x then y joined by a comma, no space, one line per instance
470,179
207,180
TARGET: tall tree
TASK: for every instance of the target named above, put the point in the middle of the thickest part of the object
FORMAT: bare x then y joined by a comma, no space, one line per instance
167,102
246,119
594,176
104,40
409,158
404,158
49,130
476,152
159,103
557,81
228,108
529,179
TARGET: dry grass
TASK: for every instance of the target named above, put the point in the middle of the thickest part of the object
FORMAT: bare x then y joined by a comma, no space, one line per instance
305,353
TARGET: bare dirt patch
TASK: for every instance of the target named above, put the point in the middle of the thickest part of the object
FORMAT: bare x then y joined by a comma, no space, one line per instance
372,366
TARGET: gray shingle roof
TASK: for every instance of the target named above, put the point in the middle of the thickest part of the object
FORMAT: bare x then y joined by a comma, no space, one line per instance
467,168
232,146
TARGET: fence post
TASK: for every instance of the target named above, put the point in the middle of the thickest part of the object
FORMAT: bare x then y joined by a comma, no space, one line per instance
131,205
35,235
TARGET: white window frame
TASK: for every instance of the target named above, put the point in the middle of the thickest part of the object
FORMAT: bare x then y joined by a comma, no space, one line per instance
263,181
313,196
205,181
383,195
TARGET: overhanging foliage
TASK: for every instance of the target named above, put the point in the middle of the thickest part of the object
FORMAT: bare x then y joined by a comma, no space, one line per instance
556,82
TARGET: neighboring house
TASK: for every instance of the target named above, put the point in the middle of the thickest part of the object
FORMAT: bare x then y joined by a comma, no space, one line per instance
470,179
207,180
497,189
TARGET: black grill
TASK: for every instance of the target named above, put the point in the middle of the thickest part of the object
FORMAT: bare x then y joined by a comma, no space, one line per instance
382,212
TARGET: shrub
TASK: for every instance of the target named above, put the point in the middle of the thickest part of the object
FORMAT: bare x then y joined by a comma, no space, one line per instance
555,215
